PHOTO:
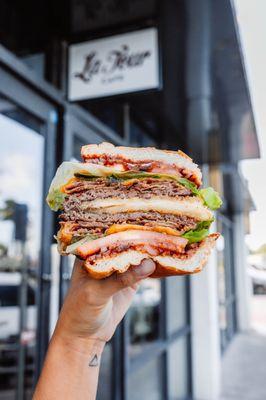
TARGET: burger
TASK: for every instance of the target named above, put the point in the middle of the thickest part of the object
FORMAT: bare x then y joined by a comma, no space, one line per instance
122,205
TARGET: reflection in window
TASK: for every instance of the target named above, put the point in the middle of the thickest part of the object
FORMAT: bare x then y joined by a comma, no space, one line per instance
144,314
176,307
146,382
178,369
21,173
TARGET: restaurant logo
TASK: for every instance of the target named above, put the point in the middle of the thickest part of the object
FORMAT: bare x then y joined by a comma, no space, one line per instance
115,62
118,64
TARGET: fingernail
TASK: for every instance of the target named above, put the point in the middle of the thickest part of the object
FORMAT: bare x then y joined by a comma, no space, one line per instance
145,268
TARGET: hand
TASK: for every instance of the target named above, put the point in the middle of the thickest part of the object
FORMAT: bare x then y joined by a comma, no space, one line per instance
93,308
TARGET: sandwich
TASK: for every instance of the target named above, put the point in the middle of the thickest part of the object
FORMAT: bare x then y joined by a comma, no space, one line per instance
122,205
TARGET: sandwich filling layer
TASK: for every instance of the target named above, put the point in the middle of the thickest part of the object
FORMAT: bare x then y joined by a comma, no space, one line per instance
188,206
104,265
137,239
81,223
142,159
145,188
93,206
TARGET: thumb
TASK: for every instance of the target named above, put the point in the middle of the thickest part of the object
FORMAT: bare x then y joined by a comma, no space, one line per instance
129,278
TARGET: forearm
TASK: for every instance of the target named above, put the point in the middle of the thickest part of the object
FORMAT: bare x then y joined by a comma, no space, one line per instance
71,369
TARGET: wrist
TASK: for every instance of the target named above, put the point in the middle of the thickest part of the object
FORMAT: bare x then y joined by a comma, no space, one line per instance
81,345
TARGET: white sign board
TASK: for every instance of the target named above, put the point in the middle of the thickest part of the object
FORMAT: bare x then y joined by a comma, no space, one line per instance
114,65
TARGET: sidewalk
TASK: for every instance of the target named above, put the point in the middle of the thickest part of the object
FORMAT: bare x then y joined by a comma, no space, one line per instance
244,368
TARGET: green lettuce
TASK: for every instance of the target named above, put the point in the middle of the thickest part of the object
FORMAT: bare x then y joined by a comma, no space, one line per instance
198,234
55,199
209,196
189,185
122,176
76,243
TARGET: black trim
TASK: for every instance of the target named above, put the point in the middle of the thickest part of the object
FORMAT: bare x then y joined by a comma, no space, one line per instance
25,98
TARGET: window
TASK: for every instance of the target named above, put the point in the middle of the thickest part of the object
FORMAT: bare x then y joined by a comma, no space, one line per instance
226,281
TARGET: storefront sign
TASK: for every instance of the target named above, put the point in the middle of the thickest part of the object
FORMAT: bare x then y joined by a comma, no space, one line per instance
114,65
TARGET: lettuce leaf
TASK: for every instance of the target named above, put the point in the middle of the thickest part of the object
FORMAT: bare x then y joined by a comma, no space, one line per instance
211,198
55,199
72,247
122,176
198,234
86,176
189,185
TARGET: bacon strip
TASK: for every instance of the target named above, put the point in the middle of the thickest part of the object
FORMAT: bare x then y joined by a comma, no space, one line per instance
169,242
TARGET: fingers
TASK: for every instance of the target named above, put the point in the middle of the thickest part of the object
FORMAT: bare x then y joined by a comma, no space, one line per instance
78,271
130,278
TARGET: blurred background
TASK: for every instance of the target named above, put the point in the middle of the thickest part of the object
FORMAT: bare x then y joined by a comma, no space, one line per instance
186,74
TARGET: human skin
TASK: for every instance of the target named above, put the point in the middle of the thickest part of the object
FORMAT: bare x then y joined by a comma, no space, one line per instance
91,312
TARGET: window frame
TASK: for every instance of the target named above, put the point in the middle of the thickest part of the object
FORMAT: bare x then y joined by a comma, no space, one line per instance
15,87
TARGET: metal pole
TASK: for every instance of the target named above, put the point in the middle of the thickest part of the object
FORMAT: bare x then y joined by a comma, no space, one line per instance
22,325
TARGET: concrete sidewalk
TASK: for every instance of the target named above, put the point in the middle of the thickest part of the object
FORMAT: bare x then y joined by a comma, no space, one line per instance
244,368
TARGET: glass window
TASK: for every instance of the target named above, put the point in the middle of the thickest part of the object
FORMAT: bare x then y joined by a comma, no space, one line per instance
144,315
225,281
146,382
21,198
178,369
176,307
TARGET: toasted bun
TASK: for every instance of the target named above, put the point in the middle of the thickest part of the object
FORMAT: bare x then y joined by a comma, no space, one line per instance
177,158
190,206
165,265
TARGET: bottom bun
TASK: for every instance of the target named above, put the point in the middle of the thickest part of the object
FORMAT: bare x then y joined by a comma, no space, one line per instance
165,265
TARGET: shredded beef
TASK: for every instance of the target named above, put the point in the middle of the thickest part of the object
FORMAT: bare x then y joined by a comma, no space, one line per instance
144,188
98,222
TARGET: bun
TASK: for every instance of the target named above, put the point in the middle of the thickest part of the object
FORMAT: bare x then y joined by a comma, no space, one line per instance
165,265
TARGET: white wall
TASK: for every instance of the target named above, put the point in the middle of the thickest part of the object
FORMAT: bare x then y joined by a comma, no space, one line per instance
242,280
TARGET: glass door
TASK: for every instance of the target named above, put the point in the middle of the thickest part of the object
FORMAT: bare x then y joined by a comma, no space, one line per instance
27,136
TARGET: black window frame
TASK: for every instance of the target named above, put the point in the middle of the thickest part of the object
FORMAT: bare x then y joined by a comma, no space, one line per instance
15,86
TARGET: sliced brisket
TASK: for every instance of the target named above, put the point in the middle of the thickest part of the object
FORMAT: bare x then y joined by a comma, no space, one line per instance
98,222
83,190
144,188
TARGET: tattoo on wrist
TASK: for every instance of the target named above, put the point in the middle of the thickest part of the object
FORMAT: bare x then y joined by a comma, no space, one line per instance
94,362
